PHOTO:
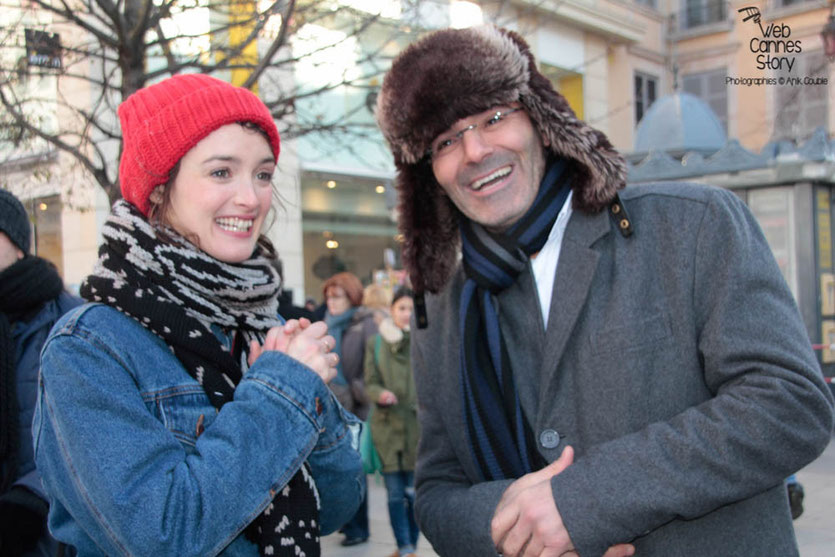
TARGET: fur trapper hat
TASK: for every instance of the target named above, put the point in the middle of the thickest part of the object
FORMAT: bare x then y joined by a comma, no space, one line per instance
452,74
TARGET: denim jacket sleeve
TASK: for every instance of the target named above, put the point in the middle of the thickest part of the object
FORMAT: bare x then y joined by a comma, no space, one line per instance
133,487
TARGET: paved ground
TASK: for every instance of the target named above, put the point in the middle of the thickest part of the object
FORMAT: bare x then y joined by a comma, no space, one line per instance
381,543
815,529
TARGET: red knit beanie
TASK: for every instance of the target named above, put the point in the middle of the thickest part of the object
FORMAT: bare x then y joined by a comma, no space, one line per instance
162,122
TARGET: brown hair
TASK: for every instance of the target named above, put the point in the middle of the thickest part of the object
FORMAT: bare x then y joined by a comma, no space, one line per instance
402,292
349,283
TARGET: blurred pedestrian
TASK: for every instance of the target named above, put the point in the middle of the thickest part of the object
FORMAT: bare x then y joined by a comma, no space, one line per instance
176,414
377,298
288,310
32,299
394,424
351,325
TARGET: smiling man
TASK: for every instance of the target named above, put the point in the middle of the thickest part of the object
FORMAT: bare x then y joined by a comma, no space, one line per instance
599,369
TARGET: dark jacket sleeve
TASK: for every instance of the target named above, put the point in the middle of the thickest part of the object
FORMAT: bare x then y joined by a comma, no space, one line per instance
453,513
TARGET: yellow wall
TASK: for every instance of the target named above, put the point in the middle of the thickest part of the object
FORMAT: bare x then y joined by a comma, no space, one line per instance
571,88
242,21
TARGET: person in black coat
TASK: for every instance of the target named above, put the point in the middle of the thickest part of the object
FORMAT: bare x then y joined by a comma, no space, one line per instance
32,298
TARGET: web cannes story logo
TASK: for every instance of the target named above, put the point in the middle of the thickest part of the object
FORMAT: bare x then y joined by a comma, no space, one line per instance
773,45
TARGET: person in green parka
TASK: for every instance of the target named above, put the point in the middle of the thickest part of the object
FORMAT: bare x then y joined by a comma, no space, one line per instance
394,426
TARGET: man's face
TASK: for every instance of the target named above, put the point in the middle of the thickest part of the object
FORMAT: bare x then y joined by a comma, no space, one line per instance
491,172
9,253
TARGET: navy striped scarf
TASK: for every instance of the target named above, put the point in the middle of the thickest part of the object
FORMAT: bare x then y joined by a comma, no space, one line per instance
501,440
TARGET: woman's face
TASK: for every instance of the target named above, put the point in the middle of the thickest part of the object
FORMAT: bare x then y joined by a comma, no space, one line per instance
222,192
337,300
401,311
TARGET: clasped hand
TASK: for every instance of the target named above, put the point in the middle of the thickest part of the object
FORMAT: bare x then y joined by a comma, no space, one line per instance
387,398
527,522
304,341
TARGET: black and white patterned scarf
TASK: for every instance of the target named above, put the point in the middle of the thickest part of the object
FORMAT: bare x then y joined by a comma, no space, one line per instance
181,294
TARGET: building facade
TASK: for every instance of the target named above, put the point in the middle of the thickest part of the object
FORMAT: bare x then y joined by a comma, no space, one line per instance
612,60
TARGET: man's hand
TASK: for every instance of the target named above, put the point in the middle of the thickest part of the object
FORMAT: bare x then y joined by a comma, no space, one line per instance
527,522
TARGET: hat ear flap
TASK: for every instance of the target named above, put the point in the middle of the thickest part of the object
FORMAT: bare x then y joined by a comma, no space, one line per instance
429,223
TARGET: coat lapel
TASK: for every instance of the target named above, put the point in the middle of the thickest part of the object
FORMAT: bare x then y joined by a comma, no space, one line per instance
445,366
575,270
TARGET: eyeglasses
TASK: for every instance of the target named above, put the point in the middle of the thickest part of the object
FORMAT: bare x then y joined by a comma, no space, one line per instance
448,143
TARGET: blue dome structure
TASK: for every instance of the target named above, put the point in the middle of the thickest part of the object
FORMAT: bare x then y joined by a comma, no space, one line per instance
680,123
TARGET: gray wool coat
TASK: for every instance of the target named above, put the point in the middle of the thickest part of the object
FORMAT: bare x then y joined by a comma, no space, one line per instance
676,364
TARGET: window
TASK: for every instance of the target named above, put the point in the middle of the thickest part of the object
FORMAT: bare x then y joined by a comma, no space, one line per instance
774,211
802,108
702,12
646,87
710,87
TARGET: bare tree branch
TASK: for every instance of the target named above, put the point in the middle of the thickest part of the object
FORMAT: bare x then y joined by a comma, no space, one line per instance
97,172
274,47
112,48
71,16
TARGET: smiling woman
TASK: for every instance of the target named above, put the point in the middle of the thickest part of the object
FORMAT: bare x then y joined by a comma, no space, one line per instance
178,390
221,193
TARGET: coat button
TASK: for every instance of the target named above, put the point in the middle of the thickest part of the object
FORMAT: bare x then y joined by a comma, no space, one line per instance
549,438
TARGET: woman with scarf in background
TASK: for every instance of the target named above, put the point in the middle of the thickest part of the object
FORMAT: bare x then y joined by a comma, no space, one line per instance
32,299
351,325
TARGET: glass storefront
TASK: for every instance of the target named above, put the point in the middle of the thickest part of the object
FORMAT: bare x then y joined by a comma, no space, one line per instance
45,216
347,225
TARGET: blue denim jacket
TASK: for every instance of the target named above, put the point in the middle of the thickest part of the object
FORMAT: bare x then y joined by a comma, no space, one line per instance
136,461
